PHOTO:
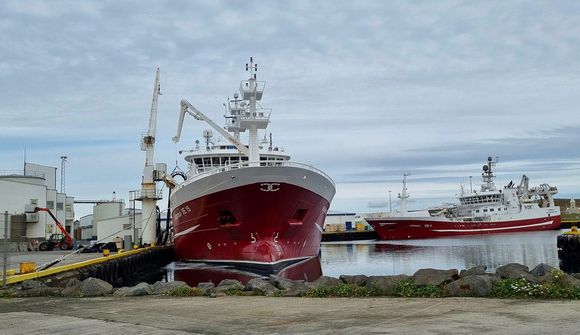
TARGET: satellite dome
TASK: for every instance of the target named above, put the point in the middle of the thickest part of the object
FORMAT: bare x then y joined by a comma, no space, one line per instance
485,168
489,159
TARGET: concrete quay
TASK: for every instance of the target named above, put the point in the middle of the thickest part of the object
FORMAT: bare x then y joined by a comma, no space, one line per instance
263,315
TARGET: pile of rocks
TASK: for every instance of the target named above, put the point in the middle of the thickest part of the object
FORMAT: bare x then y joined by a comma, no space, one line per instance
475,282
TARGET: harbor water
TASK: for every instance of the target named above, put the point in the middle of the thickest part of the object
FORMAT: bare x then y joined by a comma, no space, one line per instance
375,257
406,257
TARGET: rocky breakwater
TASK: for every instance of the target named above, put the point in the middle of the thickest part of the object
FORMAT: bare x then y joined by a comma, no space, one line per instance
508,281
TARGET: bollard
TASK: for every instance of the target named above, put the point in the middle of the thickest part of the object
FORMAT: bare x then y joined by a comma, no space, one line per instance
5,251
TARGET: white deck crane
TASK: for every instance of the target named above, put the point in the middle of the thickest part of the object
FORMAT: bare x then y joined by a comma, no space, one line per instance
149,194
251,118
187,107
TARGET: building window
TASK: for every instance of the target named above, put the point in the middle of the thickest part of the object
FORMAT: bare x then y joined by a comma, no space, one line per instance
50,204
59,206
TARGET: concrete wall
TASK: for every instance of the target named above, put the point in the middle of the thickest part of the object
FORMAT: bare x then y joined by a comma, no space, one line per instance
106,210
49,173
16,192
113,227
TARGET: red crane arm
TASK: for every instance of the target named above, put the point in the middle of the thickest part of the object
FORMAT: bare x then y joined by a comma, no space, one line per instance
67,236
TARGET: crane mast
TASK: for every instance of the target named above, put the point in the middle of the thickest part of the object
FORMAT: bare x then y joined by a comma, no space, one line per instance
149,195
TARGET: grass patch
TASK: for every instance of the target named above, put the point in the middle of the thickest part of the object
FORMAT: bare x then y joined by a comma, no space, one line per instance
556,287
6,294
185,291
340,291
242,293
407,288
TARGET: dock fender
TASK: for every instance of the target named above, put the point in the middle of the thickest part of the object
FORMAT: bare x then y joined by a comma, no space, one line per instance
572,243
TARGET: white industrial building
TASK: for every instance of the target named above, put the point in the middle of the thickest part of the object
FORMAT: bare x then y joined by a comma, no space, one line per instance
35,186
110,219
343,221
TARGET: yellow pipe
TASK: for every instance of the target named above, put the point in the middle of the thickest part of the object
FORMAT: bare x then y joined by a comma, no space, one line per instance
68,267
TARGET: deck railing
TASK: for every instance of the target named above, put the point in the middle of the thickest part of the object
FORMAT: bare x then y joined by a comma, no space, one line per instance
230,167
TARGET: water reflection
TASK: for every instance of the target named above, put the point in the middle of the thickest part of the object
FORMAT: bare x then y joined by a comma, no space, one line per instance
393,257
406,257
193,273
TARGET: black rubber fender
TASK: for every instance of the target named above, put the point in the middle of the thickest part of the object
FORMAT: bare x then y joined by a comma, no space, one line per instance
572,243
561,254
560,241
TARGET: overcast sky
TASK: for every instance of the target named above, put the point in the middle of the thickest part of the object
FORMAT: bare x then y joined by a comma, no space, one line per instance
364,90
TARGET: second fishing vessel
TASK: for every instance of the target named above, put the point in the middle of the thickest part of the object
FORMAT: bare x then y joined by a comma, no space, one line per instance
489,210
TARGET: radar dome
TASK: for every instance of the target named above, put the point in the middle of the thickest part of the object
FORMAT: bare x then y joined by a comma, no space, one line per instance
485,168
489,159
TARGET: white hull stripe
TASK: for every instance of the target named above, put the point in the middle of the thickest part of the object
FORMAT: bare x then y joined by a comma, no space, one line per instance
247,262
188,230
492,229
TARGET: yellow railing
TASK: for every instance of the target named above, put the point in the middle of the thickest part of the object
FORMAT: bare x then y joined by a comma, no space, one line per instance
58,269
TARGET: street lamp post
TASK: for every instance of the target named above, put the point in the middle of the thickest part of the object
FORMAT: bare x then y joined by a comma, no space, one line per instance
390,202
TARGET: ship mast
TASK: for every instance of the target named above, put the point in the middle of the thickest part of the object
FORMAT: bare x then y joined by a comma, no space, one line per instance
252,91
487,176
404,195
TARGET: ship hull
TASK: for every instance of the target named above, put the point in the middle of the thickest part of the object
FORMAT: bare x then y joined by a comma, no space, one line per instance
262,221
417,228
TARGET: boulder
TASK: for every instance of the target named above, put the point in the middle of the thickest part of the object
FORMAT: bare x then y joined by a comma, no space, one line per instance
576,275
61,279
206,288
434,277
138,290
542,270
384,285
93,287
261,286
32,284
568,280
471,286
516,271
358,280
72,288
281,283
474,271
166,287
229,284
297,289
512,270
326,282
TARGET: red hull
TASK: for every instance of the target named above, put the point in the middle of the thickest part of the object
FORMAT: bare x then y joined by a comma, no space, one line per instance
415,228
251,225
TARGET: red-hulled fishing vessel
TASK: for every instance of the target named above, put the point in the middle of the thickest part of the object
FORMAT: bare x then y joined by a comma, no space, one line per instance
489,210
247,204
